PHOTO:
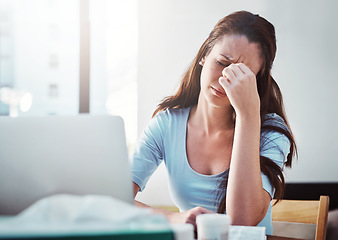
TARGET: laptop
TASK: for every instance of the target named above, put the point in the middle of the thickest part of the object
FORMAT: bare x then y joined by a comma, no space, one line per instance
47,155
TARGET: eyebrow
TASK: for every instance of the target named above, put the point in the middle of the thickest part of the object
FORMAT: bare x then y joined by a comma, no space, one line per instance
228,58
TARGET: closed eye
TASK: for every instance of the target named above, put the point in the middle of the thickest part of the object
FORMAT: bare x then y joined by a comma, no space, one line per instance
222,64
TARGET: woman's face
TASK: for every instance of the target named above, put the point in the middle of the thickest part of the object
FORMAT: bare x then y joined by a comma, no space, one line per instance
227,50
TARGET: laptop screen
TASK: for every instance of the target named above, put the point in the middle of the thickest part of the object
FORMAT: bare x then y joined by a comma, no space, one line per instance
43,156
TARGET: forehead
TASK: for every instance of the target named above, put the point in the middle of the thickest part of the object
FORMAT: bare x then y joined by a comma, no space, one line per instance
239,50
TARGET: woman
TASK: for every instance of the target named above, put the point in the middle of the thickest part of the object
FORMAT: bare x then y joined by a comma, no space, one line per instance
223,136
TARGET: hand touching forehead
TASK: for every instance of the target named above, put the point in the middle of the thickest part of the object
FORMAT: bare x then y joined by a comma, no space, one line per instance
237,49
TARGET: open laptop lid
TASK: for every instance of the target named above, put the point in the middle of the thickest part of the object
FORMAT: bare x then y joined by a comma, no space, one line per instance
42,156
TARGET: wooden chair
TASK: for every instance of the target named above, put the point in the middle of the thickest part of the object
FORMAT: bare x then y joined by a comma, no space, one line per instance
303,214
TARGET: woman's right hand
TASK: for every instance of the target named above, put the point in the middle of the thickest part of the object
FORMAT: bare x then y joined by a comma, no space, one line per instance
187,216
240,85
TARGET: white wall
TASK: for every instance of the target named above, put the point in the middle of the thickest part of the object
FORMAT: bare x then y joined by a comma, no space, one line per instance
171,32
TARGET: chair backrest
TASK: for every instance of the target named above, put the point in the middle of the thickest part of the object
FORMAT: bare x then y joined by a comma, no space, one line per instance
303,211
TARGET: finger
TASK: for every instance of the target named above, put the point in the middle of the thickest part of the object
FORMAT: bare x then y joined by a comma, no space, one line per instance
225,82
192,222
245,69
237,70
227,72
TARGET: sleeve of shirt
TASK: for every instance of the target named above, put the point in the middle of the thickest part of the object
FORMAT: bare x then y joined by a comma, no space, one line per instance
149,151
275,146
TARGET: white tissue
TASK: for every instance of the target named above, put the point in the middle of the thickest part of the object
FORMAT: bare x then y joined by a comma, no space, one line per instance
64,214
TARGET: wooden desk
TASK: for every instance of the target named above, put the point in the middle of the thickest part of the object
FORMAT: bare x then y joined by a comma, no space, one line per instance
281,238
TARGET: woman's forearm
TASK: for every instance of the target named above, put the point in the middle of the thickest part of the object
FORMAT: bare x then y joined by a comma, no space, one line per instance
246,201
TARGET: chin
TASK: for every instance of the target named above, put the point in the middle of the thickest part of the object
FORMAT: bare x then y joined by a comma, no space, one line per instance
219,102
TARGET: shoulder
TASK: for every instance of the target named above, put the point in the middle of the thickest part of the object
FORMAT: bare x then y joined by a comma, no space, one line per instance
167,119
274,133
171,114
273,120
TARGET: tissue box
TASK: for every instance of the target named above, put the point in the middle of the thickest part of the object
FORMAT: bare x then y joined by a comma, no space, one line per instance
94,236
85,217
63,233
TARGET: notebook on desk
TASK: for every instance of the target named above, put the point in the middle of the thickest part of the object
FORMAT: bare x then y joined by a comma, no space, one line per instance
43,156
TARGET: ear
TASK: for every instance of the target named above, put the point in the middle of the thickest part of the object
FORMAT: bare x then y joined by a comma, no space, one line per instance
202,61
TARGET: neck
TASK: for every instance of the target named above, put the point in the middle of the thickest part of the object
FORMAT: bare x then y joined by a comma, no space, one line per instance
212,119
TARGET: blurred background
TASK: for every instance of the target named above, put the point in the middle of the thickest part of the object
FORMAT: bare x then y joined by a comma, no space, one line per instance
65,57
121,57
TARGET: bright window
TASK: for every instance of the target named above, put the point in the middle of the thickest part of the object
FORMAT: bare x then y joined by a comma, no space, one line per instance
40,58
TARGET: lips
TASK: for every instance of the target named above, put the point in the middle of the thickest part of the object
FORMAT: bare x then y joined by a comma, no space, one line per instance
218,92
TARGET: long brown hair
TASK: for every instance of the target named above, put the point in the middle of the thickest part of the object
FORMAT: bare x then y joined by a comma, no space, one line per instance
257,30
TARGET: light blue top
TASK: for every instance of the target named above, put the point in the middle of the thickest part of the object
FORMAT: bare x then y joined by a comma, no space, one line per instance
165,139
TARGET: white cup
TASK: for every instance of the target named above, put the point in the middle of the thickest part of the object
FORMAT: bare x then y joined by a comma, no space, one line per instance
213,226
